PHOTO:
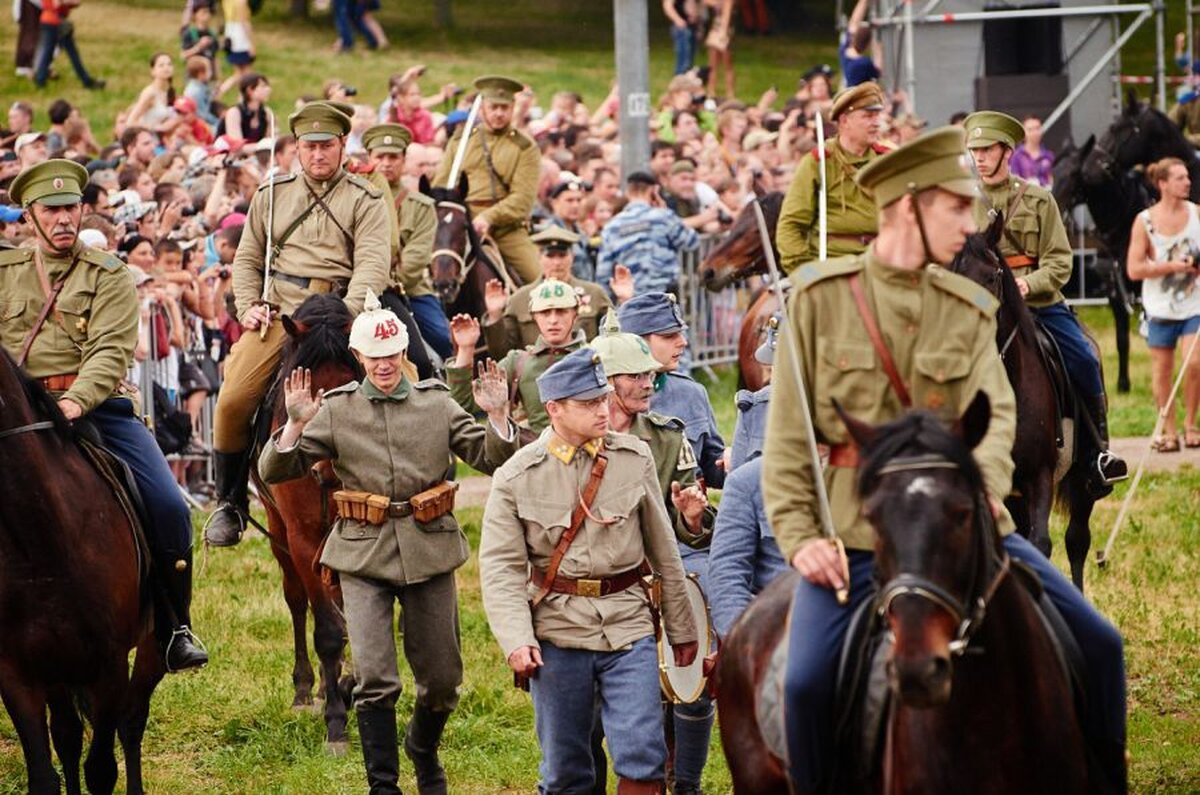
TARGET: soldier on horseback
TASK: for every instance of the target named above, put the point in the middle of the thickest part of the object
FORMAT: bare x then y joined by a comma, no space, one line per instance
69,315
329,234
879,333
1035,246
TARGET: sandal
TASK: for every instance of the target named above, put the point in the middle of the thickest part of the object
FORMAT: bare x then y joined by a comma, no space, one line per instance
1191,437
1165,444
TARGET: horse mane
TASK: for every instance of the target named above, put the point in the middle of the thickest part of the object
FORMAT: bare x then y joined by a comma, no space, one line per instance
1010,294
40,401
914,434
325,340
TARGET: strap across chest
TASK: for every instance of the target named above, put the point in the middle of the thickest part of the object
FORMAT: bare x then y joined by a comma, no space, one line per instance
51,293
885,356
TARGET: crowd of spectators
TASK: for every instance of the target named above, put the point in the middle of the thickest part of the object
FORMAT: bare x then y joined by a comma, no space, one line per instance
172,174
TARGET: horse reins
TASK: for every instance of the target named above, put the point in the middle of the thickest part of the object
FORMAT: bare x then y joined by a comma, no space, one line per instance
464,266
44,425
968,615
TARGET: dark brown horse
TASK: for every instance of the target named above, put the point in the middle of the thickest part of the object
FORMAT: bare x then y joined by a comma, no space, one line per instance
739,256
1041,464
71,602
979,701
462,264
300,514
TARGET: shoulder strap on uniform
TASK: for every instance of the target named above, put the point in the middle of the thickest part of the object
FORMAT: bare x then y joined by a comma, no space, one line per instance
345,389
276,180
582,510
810,273
51,299
431,383
1008,213
102,258
299,219
349,238
885,356
964,290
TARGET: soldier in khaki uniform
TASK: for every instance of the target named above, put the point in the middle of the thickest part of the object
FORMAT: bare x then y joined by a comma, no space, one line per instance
510,325
330,233
502,166
415,217
851,223
390,437
631,370
1035,246
554,307
939,329
80,353
578,511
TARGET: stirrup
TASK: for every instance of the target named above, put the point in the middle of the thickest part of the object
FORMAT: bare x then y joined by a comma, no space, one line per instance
1108,459
242,520
185,632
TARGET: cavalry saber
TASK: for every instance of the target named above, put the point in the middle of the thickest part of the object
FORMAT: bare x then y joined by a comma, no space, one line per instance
826,514
463,141
262,330
822,197
1102,555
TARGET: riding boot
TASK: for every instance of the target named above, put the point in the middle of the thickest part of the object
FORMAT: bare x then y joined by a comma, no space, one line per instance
628,786
381,754
1109,468
226,524
182,650
421,741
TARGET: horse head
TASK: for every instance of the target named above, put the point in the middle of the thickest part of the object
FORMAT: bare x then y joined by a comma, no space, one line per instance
936,548
740,253
454,240
319,340
979,259
1067,173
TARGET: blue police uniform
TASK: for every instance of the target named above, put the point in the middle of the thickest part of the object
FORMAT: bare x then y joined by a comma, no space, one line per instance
744,556
676,394
647,240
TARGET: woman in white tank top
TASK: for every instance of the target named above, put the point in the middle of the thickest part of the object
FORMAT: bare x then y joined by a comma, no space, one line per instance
1164,252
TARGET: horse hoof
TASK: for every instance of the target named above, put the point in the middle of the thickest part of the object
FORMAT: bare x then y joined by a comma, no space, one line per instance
338,748
307,708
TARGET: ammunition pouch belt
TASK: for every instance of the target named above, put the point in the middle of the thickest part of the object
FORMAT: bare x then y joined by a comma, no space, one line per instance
312,283
59,383
601,586
1021,261
363,506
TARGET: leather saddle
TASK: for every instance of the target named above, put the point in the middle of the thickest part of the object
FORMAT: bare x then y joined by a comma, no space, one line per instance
1064,391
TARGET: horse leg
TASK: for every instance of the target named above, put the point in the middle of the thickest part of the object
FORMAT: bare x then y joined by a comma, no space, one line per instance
1040,500
26,705
106,697
66,729
329,640
1079,532
303,676
148,671
1119,302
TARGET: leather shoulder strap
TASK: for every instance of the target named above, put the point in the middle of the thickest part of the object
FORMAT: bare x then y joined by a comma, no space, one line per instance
568,536
1008,214
47,308
885,356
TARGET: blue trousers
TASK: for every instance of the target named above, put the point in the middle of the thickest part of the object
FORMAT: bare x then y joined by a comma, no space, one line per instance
564,693
684,40
1078,356
819,626
50,37
347,18
435,328
170,530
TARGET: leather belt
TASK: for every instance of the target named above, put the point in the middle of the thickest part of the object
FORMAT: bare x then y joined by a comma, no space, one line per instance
59,383
312,283
844,455
1020,261
399,510
602,586
863,239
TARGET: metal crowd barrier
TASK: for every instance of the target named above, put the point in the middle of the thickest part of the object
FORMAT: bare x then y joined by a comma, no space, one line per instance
714,319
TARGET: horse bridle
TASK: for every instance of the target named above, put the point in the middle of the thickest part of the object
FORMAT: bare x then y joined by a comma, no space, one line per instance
1110,161
44,425
996,293
968,615
465,260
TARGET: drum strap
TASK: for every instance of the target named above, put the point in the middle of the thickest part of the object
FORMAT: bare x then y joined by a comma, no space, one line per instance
581,512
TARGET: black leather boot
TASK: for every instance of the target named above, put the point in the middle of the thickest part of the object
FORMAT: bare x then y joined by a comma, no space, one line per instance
226,524
421,746
182,650
1109,468
381,754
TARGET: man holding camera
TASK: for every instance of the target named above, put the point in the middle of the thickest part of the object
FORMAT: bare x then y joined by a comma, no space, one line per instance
646,238
329,233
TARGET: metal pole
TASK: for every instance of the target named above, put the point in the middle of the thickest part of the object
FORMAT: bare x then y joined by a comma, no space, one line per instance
1189,21
1160,71
1092,73
1078,44
631,23
1027,13
910,63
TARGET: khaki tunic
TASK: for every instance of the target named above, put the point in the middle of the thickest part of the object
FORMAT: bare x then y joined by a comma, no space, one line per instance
517,329
852,212
941,331
92,331
529,508
675,463
1036,224
397,448
413,218
521,369
317,248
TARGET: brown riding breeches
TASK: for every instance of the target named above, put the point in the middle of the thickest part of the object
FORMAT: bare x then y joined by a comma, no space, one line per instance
519,253
251,366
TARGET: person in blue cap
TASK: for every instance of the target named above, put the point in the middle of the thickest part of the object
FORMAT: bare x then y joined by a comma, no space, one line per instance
570,519
646,237
750,432
655,318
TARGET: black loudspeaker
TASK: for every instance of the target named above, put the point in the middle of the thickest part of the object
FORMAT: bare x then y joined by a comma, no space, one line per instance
1028,95
1022,46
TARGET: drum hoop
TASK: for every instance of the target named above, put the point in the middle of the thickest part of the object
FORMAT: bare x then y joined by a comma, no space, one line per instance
709,637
